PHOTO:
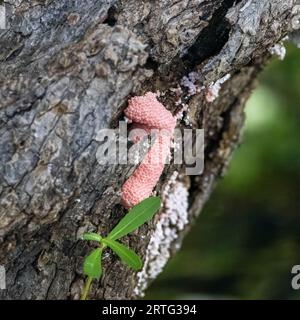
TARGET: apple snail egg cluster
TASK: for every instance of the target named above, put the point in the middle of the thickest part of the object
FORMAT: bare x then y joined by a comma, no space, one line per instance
147,113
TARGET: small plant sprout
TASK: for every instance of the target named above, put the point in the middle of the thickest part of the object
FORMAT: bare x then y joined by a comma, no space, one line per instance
137,216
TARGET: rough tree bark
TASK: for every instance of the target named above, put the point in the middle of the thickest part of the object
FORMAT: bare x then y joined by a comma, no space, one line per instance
67,70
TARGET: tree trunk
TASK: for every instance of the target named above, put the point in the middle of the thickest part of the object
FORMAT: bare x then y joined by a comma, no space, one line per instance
67,70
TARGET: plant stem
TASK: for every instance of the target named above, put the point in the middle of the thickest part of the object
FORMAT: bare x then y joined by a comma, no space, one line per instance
86,288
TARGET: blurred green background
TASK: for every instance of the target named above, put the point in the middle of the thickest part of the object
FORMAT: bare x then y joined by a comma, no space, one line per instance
247,239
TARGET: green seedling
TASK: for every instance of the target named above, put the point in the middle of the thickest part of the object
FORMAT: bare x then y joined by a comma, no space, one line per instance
137,216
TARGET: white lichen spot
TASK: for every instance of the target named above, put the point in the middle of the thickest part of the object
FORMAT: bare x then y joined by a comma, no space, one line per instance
246,5
194,76
278,50
296,17
171,221
212,92
189,83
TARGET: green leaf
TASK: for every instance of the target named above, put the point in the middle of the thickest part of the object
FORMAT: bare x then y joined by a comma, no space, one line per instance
92,264
92,237
137,216
127,255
